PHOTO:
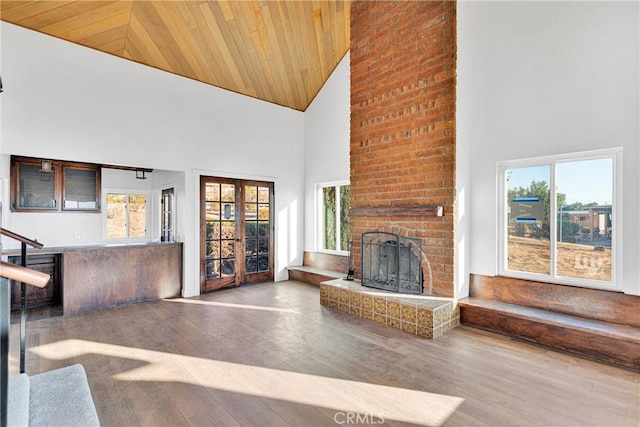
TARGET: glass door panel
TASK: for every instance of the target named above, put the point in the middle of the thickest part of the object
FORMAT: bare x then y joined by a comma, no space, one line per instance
167,230
257,225
220,234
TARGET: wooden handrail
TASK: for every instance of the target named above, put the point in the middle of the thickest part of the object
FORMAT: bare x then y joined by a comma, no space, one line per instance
20,238
23,274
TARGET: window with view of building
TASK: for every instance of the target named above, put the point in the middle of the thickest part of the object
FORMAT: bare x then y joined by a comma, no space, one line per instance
559,219
334,217
126,216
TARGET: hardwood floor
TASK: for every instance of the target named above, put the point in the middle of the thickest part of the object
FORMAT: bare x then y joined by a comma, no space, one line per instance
270,355
38,313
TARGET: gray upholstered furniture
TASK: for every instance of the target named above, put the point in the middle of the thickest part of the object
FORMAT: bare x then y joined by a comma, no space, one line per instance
56,398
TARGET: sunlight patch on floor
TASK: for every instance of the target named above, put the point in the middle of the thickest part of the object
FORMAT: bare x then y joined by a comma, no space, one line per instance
344,396
231,305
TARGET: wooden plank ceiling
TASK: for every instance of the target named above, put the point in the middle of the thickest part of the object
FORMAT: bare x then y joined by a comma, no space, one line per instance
277,51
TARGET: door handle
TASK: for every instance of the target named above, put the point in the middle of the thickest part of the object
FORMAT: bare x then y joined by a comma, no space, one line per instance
237,240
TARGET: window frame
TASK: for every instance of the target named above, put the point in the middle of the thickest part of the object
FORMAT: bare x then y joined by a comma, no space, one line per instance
615,154
147,219
320,216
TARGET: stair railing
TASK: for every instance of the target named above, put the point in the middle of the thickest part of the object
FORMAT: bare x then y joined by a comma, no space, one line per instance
25,276
23,289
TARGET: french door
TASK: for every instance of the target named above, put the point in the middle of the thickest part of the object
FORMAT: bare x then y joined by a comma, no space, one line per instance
236,232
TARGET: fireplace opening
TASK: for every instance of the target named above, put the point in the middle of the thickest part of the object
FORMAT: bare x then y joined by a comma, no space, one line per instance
392,262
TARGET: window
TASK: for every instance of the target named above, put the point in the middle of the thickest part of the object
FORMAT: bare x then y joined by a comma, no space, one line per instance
53,186
558,219
126,216
334,217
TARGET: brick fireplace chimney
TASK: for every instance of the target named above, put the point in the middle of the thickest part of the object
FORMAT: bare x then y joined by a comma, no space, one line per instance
403,104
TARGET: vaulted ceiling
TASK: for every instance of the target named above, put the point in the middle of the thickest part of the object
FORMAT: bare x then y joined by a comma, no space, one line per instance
278,51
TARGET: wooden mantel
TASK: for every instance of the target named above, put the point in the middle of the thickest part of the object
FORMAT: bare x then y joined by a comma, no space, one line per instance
408,210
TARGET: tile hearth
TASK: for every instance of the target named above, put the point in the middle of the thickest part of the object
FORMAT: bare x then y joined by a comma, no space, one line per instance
423,315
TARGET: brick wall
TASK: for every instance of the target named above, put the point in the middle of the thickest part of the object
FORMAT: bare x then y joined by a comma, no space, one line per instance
403,65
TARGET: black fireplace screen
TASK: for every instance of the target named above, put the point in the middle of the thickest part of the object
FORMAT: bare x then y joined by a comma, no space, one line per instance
392,262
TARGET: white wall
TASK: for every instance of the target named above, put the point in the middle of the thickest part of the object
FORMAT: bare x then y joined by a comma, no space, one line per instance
80,228
326,137
544,78
462,227
64,101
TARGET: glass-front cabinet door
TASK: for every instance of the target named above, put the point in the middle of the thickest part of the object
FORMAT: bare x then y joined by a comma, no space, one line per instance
37,188
236,232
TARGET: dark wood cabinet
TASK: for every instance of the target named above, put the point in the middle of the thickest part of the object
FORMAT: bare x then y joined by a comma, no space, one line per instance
36,297
54,186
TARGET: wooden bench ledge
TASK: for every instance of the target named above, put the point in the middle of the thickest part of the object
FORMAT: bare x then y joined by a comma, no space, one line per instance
320,271
557,319
313,275
603,341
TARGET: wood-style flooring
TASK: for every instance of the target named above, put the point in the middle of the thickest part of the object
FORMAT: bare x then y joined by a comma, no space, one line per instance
270,355
38,313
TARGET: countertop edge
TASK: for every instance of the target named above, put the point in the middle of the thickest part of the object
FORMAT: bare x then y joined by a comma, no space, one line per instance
62,249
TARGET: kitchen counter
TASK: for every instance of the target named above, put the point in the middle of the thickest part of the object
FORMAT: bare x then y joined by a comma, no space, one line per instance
101,276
